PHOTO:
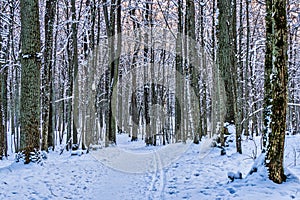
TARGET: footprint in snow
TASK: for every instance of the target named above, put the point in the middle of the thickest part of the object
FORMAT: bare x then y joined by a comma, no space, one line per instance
196,174
176,165
172,192
231,190
28,178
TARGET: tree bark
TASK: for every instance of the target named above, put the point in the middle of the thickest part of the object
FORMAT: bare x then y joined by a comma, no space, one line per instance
179,74
5,41
30,82
133,105
193,63
204,68
279,81
47,90
267,75
147,81
114,50
75,74
225,46
236,71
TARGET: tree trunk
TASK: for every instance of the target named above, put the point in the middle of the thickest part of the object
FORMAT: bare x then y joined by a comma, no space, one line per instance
118,55
267,75
30,83
179,76
225,44
3,148
13,85
147,81
47,132
68,94
5,41
110,21
75,92
236,79
279,80
134,107
193,63
204,68
215,94
246,84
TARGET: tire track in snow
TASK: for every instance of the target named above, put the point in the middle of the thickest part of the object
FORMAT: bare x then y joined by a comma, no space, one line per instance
152,185
156,189
162,176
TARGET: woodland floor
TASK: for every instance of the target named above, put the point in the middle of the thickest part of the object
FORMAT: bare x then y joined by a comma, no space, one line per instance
131,170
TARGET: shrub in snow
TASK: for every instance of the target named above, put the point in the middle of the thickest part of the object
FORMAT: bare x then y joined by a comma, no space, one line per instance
229,136
19,157
36,157
223,152
258,164
253,170
232,176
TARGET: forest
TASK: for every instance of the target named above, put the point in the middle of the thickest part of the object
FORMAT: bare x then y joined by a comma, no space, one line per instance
76,75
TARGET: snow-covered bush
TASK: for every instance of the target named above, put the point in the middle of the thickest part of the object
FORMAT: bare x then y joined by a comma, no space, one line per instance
35,157
232,176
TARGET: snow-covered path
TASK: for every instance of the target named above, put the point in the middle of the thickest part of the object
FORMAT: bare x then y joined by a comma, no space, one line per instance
68,178
133,171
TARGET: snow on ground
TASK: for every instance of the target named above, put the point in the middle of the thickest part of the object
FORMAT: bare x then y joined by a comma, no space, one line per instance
132,170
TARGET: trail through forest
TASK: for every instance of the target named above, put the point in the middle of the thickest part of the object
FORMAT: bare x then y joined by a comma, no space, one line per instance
132,170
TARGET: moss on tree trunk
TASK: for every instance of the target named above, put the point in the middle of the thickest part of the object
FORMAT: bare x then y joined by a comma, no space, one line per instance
275,149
